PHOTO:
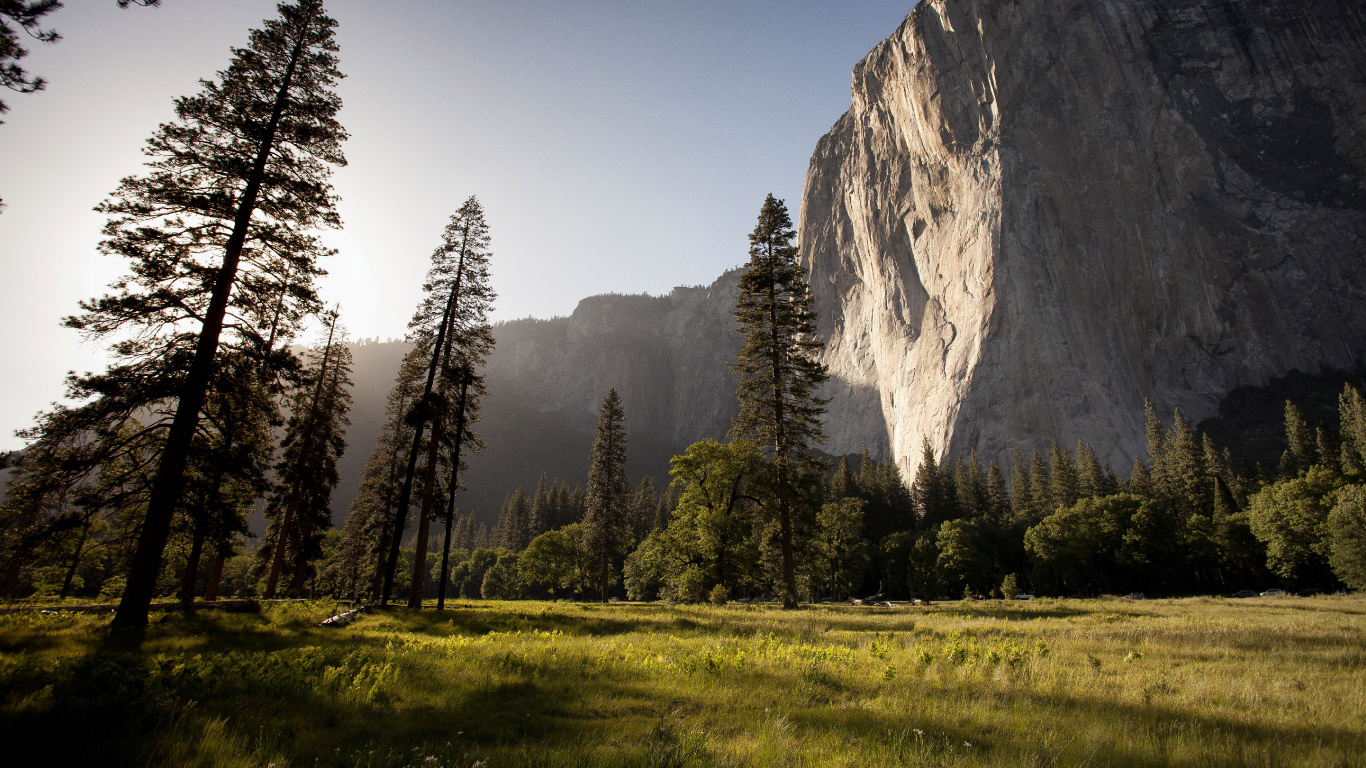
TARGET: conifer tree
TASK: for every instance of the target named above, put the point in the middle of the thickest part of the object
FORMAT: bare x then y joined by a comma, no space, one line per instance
235,182
543,507
931,495
1091,479
315,438
1303,448
643,508
1040,490
779,374
226,472
842,484
1020,485
369,521
604,525
998,495
972,487
451,327
1063,469
26,15
1352,426
513,530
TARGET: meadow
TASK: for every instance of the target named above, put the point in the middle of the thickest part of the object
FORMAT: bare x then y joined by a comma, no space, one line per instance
1105,682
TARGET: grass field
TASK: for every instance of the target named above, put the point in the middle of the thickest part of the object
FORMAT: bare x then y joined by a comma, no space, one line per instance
1198,682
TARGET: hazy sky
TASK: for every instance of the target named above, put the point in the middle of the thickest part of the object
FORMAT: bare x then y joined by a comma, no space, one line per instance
616,146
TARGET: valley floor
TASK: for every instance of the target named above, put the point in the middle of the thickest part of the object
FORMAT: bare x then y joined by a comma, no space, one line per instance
1202,681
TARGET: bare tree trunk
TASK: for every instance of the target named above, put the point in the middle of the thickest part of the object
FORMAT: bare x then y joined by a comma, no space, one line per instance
215,578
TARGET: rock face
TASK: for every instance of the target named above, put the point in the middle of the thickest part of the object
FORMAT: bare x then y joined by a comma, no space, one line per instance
1037,214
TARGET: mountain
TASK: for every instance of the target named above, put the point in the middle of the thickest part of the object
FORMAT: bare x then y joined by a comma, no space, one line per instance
1036,215
665,355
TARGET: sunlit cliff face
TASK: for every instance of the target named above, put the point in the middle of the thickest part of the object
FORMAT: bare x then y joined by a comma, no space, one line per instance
1036,215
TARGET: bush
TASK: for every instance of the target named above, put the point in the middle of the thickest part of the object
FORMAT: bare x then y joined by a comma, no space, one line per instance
1347,536
690,586
1010,587
720,595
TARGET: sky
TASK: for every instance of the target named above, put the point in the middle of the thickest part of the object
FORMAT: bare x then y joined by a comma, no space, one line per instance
616,147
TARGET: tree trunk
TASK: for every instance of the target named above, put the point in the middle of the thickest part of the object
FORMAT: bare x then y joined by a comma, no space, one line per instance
300,570
12,578
606,566
424,523
215,577
192,568
455,483
75,561
170,476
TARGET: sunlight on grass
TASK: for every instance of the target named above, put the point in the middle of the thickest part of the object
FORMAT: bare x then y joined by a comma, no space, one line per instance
1066,682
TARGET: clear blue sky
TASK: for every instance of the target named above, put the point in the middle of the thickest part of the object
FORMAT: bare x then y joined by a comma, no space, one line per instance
616,146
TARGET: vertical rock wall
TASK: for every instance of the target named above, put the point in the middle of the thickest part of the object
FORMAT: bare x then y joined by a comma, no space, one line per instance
1037,214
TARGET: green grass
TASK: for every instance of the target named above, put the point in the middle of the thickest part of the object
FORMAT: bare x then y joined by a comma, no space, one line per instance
1198,682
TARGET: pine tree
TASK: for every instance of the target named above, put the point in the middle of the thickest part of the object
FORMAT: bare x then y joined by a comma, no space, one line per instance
513,530
1064,487
842,483
1303,447
229,459
1091,480
1020,485
643,508
933,504
27,15
998,495
543,508
369,521
972,487
216,228
1352,430
315,438
450,326
779,373
608,491
1040,490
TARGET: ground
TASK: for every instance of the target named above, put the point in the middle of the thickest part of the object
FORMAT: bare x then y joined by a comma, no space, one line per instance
1202,681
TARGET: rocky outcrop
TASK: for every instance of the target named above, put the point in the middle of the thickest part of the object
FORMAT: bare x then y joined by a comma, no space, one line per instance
1037,214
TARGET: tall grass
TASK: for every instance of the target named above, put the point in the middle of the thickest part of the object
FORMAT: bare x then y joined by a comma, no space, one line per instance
1207,682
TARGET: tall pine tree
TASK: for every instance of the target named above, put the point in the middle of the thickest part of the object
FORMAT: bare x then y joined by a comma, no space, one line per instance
216,227
780,375
609,491
315,438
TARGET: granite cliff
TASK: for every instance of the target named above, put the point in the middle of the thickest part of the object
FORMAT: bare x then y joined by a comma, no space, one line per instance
1037,214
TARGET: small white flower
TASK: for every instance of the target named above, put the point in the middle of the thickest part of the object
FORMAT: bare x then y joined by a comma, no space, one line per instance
966,744
918,732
